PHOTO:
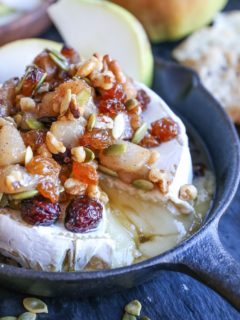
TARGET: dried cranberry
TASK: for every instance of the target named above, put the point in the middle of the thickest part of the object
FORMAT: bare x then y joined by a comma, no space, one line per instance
39,211
83,214
63,157
116,92
111,107
164,129
143,98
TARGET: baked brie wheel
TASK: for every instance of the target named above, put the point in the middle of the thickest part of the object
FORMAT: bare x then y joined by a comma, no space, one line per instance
95,169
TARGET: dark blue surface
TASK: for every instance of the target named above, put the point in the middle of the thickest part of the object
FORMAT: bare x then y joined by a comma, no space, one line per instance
171,296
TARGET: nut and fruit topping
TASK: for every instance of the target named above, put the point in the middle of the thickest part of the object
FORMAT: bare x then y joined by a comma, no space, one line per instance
83,214
164,129
39,211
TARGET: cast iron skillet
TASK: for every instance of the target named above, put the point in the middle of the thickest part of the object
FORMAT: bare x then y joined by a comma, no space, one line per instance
202,254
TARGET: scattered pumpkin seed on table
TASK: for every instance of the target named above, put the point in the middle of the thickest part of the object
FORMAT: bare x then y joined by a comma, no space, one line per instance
35,305
27,316
134,308
128,316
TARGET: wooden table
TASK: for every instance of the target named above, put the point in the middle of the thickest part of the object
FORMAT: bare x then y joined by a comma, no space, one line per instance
172,296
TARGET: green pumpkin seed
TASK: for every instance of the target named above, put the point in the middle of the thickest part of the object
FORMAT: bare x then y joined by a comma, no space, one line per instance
134,307
35,305
140,133
57,54
34,124
144,185
39,84
8,318
60,63
131,104
24,195
89,155
91,122
27,316
83,97
118,126
107,171
128,316
115,149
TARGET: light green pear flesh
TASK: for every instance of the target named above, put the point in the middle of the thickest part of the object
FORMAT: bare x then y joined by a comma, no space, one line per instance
99,26
16,55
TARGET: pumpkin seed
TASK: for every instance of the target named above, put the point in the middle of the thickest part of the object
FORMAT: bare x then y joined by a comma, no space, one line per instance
35,305
134,307
8,318
91,122
144,185
66,101
131,104
115,149
39,84
89,155
34,124
57,54
27,316
24,195
1,195
128,316
140,133
118,126
60,63
145,318
83,97
107,171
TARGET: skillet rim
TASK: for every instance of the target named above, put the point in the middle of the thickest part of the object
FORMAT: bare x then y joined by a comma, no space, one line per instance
166,257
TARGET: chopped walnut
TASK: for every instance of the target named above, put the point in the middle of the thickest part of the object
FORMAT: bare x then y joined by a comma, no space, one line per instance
188,192
75,187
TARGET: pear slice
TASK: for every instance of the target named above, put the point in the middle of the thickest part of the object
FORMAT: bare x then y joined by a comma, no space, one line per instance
16,55
100,26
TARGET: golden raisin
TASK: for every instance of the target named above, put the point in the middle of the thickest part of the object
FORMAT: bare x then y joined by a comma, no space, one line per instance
85,172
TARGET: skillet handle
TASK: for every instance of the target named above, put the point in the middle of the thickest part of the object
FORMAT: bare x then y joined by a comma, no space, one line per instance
208,261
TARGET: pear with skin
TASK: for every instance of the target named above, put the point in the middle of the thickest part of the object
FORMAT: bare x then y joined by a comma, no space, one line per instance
16,55
172,19
100,26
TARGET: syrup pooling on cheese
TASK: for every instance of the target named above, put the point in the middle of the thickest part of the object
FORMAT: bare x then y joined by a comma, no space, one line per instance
95,169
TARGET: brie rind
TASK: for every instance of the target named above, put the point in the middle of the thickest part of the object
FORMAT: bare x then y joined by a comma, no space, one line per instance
54,248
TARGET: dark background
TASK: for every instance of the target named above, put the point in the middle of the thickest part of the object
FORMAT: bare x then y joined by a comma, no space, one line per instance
172,296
